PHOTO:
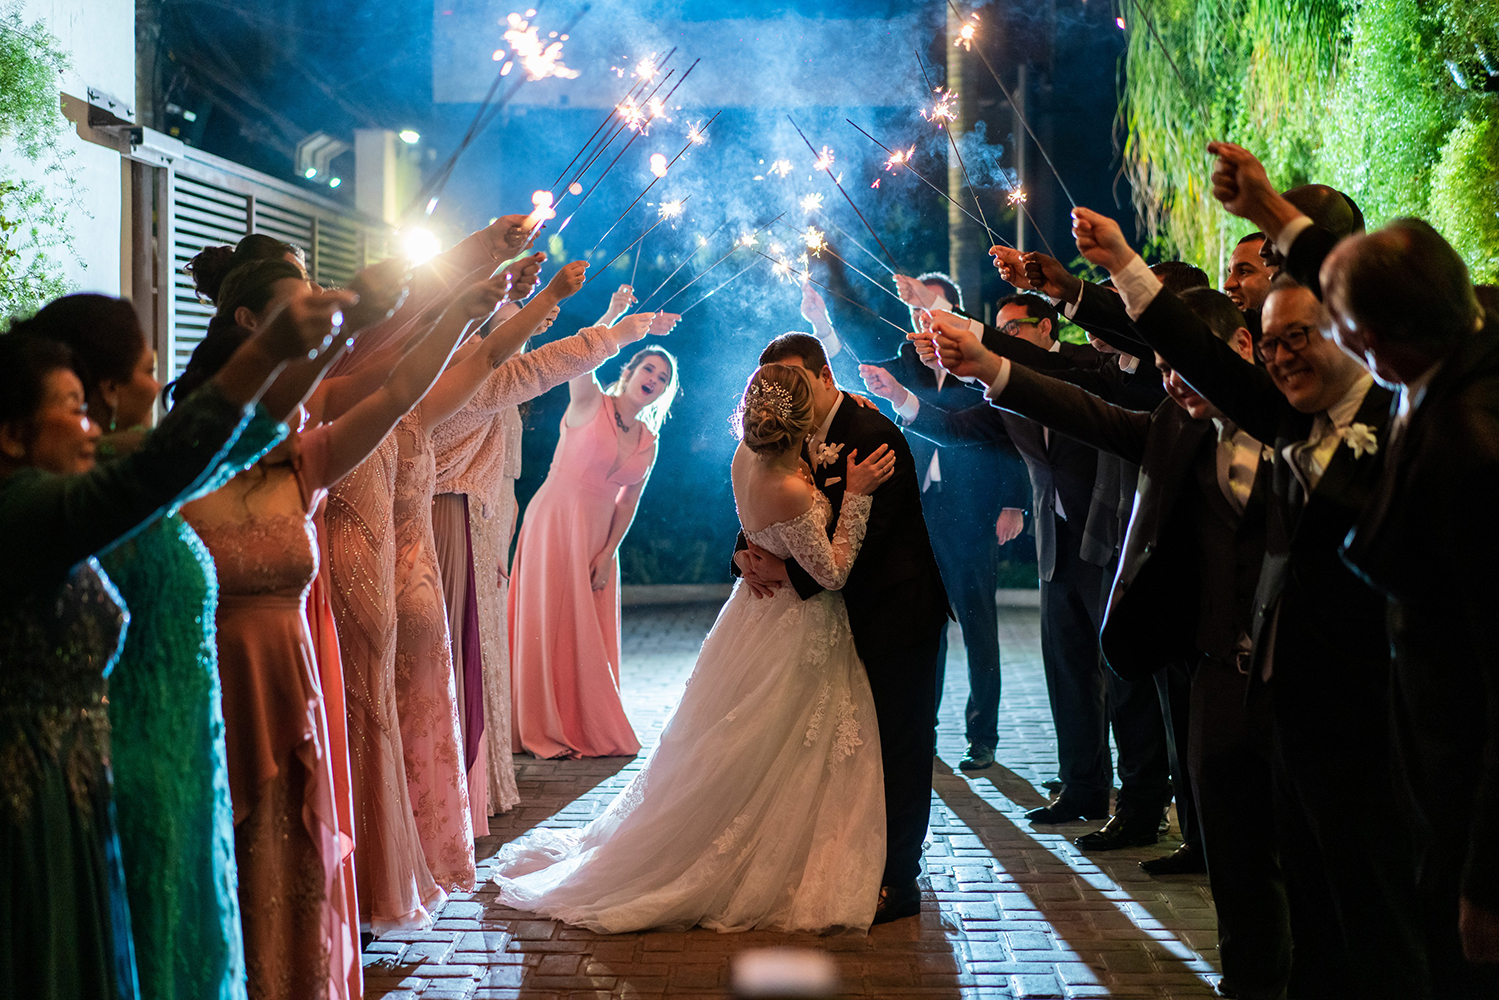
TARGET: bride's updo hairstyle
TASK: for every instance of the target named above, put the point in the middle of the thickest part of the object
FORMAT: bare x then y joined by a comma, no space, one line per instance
776,410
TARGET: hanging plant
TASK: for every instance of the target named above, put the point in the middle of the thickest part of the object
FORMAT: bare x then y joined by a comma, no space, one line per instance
33,212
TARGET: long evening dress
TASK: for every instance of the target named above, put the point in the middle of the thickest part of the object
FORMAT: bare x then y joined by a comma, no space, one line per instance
171,779
478,461
426,698
763,806
564,635
64,915
299,940
396,889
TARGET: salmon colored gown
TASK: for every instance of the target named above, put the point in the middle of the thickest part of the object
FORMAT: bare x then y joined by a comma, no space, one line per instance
564,635
300,940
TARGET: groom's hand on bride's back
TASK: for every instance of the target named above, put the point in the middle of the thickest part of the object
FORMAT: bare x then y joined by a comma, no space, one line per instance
761,570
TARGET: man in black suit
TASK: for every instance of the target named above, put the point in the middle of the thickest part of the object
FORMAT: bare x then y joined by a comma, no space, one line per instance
897,608
1402,299
1187,574
961,489
1075,551
1319,649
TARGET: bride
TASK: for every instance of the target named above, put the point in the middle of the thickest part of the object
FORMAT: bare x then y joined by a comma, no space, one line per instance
763,805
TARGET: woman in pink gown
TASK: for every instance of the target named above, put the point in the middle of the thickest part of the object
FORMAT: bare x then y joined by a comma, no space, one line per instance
564,594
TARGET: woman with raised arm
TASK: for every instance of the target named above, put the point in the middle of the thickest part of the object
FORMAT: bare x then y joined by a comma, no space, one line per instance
66,913
473,520
763,806
299,918
564,596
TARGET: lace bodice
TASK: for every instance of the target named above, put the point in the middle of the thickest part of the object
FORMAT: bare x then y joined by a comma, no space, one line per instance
805,538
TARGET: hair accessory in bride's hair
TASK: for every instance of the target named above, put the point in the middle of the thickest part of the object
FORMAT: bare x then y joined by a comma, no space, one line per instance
774,396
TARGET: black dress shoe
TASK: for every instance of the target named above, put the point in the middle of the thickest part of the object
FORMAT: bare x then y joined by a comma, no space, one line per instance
1121,831
1185,860
977,758
1063,811
1052,784
897,901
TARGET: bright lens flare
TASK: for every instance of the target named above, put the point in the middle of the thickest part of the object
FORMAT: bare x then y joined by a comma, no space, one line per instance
942,111
824,160
1017,197
811,203
543,210
658,164
782,167
538,59
419,245
814,241
575,188
671,209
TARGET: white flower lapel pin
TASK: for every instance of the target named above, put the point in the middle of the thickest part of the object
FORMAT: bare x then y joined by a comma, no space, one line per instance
1267,454
827,454
1360,437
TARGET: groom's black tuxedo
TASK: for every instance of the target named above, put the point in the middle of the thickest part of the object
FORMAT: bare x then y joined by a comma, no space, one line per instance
897,609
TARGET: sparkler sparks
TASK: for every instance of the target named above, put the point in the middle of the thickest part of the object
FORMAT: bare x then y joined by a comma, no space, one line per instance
814,241
695,134
811,203
748,240
824,160
899,158
671,209
658,164
1017,197
942,111
965,35
539,59
782,167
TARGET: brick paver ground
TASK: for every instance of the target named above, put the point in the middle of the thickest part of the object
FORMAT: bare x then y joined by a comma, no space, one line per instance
1011,911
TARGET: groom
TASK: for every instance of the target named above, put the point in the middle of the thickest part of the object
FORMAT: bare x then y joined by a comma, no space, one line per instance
896,604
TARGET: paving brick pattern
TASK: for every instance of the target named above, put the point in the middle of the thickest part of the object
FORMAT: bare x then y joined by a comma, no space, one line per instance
1011,911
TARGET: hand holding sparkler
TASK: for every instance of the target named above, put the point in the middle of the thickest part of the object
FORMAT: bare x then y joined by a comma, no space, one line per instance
962,353
913,293
814,309
566,282
481,298
1010,263
522,276
507,236
662,323
619,304
1240,183
1100,240
880,382
1047,276
631,328
381,289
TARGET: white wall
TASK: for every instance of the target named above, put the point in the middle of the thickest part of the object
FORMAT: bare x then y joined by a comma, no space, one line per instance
99,38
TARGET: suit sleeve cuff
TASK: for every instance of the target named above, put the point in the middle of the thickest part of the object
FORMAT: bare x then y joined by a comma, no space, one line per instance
1137,286
997,387
1287,237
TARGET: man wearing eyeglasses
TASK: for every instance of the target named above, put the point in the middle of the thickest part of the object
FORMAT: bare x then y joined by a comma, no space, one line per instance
1320,655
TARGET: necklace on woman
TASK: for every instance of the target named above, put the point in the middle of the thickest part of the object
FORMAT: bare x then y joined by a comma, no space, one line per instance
619,421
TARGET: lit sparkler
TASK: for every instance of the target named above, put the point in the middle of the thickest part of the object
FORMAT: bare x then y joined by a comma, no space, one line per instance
782,167
672,209
542,200
814,241
824,160
641,238
811,202
828,155
748,240
1017,196
942,110
695,134
539,59
965,35
899,158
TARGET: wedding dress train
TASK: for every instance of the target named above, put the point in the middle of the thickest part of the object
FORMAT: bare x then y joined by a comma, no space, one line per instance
763,804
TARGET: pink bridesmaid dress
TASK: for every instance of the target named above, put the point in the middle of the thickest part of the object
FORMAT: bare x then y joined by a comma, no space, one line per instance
564,635
426,696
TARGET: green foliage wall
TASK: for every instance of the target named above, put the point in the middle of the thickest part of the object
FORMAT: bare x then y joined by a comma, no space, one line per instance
1383,99
33,216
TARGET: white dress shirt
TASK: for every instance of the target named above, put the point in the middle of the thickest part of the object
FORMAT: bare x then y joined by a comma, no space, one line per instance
820,436
1309,459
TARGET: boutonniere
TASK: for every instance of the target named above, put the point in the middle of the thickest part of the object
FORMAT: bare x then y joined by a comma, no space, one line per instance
1360,437
1267,454
827,454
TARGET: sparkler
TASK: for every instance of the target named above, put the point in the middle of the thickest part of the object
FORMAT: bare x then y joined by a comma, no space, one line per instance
828,155
622,127
1029,131
743,241
822,246
928,183
716,288
942,111
946,113
640,85
782,167
965,35
539,59
695,134
641,238
811,202
702,242
807,277
659,168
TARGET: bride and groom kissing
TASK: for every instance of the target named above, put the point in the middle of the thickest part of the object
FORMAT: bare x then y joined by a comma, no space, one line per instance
792,786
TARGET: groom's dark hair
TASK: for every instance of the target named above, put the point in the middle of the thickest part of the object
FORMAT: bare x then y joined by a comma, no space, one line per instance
802,346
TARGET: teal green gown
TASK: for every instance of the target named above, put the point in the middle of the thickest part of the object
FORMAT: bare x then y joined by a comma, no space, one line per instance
64,916
171,780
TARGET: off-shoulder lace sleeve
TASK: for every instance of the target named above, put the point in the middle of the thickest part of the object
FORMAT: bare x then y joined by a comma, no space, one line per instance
829,561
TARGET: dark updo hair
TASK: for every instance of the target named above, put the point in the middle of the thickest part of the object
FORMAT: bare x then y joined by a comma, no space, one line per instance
213,351
103,333
210,267
253,285
25,362
776,409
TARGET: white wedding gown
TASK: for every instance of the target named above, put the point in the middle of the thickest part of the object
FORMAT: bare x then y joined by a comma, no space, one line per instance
763,805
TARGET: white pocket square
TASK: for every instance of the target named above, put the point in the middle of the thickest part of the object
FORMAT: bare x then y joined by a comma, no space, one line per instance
831,480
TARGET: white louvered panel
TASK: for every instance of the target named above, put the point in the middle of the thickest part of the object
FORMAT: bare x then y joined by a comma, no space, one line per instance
203,215
338,252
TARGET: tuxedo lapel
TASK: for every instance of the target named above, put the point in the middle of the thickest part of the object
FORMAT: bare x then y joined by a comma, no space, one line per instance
1350,478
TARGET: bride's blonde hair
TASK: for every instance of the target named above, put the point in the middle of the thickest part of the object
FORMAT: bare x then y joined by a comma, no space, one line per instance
776,409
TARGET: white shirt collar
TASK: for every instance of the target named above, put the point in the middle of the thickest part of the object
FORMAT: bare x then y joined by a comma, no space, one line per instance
1056,345
1414,391
820,436
1344,410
